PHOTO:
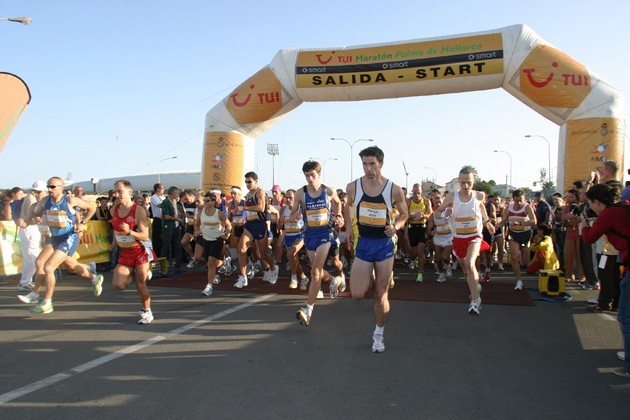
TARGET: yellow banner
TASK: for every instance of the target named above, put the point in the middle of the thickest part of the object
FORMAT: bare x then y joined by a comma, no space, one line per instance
417,61
257,99
590,142
223,161
94,246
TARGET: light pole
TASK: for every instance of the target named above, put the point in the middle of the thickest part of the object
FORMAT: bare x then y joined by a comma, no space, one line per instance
406,177
503,151
23,20
351,147
434,174
323,164
158,168
273,150
548,153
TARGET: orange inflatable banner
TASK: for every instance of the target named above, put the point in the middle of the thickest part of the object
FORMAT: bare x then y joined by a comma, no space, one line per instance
14,97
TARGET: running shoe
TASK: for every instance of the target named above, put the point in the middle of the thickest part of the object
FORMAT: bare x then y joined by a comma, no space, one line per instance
441,278
294,283
304,283
207,291
320,294
191,263
592,301
229,270
412,264
145,317
287,267
250,271
501,267
42,308
342,283
419,278
26,287
216,279
449,271
97,287
334,287
303,316
241,282
378,343
32,297
267,275
621,355
519,285
273,275
149,275
473,309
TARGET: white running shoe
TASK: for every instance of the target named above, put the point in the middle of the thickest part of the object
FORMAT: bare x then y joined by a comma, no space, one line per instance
294,282
519,285
592,301
32,297
449,271
241,282
191,263
216,279
287,267
273,275
26,287
334,287
320,294
266,275
91,266
250,270
97,288
621,355
441,278
145,317
473,309
342,283
378,343
207,291
304,316
149,275
501,267
304,283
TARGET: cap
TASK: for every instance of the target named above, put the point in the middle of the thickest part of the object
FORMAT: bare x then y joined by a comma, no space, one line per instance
276,188
39,186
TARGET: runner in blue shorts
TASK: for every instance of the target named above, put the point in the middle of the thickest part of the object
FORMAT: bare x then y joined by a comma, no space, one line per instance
320,207
372,200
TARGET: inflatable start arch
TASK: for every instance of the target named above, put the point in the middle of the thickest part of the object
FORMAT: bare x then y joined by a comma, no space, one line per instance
588,110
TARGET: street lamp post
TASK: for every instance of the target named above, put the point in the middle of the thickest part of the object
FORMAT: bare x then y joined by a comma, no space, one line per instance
273,150
510,156
23,20
548,153
158,168
323,162
351,147
434,174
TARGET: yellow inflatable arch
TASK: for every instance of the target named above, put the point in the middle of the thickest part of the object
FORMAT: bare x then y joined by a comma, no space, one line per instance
588,110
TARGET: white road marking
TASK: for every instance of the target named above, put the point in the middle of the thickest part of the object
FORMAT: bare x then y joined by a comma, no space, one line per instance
36,386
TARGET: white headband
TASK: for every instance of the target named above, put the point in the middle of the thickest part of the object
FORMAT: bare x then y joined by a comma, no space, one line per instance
215,192
235,190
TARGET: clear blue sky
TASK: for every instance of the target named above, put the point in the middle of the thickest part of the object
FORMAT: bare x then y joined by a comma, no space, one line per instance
117,86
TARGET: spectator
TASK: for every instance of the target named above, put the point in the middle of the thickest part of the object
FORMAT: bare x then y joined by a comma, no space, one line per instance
544,255
156,215
172,218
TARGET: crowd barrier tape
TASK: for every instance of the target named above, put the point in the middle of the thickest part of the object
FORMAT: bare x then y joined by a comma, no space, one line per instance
94,246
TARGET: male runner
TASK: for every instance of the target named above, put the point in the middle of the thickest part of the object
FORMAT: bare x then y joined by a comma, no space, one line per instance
321,209
373,198
467,218
131,229
58,212
419,213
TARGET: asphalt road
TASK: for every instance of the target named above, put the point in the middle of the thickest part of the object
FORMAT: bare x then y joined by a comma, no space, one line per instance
244,355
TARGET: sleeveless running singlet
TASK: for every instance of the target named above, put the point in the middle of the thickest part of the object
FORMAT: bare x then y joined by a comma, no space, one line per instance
373,214
60,218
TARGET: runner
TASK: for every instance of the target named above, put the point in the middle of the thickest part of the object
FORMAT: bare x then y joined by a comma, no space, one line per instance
131,229
255,233
519,217
58,212
293,240
440,230
419,213
373,198
467,218
321,209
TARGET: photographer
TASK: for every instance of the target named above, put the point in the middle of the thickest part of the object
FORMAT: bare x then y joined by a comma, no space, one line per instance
612,221
571,219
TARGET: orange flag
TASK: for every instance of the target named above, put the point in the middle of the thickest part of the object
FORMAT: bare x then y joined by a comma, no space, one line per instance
14,97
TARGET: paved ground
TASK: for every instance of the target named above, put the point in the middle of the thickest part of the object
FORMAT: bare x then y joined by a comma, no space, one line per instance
237,355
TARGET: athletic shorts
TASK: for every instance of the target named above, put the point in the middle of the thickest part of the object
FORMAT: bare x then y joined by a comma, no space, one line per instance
258,230
289,240
190,229
417,234
212,248
314,239
375,249
135,256
521,238
274,230
486,236
460,245
443,240
67,243
237,231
